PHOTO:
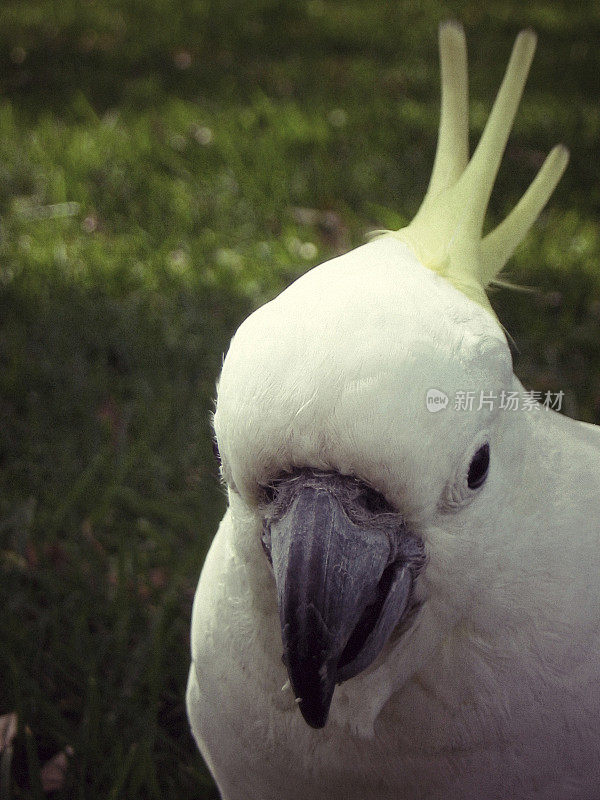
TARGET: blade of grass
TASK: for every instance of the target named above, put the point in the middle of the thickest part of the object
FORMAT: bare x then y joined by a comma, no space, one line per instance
33,766
5,764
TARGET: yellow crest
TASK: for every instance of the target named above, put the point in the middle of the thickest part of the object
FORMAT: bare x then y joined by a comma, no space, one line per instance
445,234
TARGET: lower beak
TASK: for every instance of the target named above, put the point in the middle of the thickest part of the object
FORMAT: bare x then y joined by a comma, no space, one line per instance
342,587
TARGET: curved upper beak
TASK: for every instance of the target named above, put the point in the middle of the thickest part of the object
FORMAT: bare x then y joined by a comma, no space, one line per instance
344,580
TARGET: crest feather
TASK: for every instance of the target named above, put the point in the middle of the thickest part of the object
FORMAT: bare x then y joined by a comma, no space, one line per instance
446,233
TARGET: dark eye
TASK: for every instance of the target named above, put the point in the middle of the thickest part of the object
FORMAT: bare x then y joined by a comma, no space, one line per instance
478,469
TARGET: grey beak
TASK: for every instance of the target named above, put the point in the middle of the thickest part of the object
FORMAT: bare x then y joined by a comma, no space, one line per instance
344,580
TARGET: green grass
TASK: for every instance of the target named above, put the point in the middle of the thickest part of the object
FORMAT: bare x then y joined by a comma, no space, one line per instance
164,168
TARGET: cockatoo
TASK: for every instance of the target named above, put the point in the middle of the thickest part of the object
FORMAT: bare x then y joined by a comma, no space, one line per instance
403,597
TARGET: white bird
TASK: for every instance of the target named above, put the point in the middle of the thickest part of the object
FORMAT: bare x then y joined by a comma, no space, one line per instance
416,537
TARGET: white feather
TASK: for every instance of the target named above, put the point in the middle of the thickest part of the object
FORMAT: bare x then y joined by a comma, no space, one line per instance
494,691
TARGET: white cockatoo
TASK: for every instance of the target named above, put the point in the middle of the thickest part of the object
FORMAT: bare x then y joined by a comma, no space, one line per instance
403,598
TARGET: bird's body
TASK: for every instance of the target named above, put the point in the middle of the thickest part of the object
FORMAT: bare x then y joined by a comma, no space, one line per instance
441,566
481,696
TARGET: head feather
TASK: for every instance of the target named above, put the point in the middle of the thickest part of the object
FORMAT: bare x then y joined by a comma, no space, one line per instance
446,233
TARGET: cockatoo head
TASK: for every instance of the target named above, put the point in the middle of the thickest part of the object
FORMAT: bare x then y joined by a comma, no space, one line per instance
337,418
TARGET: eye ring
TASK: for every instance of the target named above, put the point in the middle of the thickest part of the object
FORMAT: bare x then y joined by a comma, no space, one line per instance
469,476
478,468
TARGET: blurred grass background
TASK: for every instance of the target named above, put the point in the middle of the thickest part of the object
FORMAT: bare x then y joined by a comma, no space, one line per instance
165,167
